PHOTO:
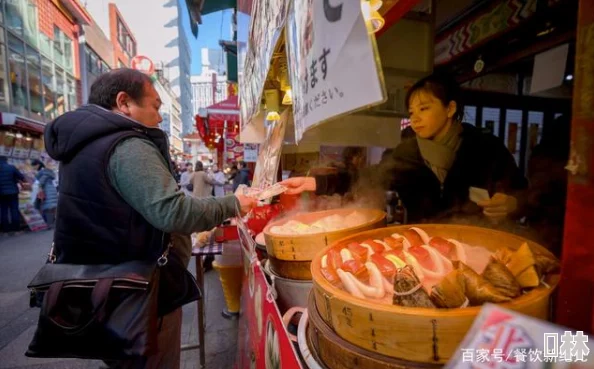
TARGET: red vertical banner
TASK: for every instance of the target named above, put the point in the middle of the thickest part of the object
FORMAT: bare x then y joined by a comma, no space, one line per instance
575,304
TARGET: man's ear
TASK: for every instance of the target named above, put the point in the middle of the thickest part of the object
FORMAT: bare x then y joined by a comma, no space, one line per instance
123,102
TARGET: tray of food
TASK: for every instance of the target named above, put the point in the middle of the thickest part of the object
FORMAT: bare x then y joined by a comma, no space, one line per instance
300,236
413,292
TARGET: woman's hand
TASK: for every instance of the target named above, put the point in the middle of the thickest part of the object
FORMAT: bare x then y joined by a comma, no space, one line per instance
499,206
298,185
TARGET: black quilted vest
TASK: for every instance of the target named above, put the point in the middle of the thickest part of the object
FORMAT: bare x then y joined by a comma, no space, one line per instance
94,225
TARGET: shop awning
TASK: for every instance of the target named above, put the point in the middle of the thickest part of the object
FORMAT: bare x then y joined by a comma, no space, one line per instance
24,124
226,110
211,6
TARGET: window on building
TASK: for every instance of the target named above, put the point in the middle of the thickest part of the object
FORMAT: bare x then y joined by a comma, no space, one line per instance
95,65
60,89
21,19
4,100
125,40
121,32
58,49
63,53
14,16
45,45
35,86
31,29
49,89
18,76
92,62
71,92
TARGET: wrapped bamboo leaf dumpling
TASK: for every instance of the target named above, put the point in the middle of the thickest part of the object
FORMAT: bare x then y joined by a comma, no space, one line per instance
476,288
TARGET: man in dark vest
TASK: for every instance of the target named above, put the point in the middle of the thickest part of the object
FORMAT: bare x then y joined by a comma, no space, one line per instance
119,200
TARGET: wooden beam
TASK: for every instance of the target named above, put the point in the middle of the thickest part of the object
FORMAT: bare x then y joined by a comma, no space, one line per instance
522,53
575,303
395,13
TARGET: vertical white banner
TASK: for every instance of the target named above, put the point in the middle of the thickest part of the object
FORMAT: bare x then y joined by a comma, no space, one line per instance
332,61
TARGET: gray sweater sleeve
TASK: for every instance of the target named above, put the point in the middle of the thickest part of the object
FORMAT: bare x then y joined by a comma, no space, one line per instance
141,175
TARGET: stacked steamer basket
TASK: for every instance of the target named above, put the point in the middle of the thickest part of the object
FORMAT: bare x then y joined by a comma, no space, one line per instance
351,332
290,256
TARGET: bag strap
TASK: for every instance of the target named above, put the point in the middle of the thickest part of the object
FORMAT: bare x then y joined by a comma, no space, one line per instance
161,261
99,298
51,297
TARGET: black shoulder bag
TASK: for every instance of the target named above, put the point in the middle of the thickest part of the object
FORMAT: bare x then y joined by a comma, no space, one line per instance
104,312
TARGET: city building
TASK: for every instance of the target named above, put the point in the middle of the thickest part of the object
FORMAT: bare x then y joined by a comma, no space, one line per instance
217,62
122,37
208,87
39,63
162,40
102,53
170,111
97,56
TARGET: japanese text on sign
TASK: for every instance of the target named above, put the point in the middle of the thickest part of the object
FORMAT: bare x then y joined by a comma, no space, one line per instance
322,38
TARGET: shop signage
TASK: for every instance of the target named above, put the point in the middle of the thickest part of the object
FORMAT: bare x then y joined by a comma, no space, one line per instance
267,21
234,150
504,339
266,171
31,216
143,64
263,339
333,62
250,153
500,16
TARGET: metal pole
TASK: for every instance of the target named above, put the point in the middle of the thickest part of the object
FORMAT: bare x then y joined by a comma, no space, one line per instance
224,136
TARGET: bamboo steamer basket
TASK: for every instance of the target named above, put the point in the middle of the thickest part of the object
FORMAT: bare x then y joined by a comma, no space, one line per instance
337,353
291,255
299,270
418,334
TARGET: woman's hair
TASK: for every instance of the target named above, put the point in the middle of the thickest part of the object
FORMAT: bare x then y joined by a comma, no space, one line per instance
199,167
443,88
37,162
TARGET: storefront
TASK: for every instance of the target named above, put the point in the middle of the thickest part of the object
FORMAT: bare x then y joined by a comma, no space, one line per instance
39,69
487,49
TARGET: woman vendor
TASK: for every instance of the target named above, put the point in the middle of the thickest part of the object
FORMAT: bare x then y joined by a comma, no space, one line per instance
433,172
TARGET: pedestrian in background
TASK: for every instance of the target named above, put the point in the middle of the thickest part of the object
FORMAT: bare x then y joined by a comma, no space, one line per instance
219,178
47,194
185,180
202,182
242,177
10,177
